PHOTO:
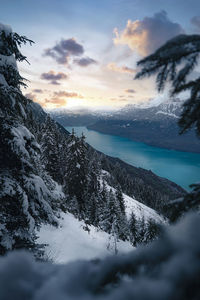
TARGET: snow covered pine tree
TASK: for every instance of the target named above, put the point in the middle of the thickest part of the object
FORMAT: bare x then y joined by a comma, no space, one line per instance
27,193
76,177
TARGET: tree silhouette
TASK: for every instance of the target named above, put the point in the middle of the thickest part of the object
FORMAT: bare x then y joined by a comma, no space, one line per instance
173,63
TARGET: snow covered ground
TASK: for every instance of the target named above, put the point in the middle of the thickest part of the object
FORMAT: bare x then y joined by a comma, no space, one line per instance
132,205
71,242
140,210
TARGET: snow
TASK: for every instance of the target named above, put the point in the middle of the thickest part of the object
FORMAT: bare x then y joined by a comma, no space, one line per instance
71,242
166,269
6,28
8,60
2,80
105,173
7,186
140,210
5,62
21,136
168,114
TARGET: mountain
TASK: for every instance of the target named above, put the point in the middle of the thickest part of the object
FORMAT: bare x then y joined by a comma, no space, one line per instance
78,117
154,124
151,110
46,172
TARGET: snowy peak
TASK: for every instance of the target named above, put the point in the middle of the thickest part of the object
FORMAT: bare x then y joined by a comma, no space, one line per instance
154,109
171,108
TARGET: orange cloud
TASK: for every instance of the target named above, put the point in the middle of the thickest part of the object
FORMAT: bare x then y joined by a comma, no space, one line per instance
147,35
67,94
123,69
52,102
59,99
131,91
55,102
134,38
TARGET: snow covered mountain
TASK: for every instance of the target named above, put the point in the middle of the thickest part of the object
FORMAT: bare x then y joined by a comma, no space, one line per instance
153,123
152,110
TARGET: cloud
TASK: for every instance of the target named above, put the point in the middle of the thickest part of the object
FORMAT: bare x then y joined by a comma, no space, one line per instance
196,21
39,91
147,35
63,50
118,100
56,102
53,77
67,94
131,91
58,99
123,69
85,61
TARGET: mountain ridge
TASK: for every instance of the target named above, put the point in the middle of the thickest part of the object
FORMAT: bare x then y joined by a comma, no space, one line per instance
154,123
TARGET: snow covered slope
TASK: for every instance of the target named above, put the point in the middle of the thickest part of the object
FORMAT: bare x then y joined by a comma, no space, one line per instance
140,210
71,241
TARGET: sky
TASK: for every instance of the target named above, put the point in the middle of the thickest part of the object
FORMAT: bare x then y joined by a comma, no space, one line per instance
86,51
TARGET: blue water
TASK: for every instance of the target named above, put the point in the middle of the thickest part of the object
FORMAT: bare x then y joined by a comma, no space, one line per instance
180,167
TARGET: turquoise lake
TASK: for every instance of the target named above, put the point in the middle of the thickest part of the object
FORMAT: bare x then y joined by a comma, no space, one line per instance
180,167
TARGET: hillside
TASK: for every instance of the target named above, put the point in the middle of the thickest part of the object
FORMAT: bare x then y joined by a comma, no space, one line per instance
73,239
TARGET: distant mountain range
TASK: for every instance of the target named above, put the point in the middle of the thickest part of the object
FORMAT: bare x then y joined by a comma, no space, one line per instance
154,123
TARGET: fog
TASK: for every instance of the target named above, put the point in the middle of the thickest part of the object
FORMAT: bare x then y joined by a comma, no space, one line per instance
169,268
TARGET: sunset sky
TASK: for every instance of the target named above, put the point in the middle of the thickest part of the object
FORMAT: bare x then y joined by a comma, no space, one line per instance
85,51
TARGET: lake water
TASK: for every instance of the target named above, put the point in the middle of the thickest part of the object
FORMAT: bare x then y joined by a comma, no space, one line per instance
180,167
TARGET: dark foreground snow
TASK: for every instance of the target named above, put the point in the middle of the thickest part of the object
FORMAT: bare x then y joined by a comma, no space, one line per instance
167,269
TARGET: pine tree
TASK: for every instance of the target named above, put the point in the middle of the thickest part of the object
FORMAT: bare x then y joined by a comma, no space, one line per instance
76,177
72,205
91,209
133,230
113,218
10,53
153,230
94,174
101,205
141,231
120,199
53,150
173,63
26,199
